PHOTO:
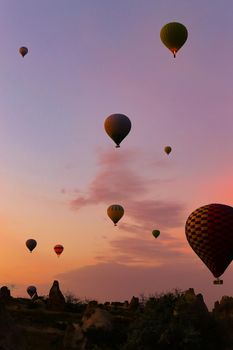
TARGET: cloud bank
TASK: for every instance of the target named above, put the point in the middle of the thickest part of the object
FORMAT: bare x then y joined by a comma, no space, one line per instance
118,181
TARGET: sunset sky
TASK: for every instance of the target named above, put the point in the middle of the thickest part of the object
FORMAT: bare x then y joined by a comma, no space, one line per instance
59,170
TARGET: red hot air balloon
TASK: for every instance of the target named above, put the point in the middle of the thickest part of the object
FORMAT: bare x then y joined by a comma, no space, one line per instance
209,231
58,249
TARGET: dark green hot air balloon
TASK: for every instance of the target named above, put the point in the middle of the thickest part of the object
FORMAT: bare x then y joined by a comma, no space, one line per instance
173,36
31,244
31,290
156,233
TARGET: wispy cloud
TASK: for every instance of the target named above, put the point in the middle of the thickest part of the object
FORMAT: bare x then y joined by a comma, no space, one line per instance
146,251
117,181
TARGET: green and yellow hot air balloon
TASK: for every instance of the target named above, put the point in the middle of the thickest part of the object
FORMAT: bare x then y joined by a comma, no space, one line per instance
173,36
115,212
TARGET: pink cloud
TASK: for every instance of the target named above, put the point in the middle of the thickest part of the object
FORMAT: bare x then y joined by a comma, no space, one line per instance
118,182
145,251
114,182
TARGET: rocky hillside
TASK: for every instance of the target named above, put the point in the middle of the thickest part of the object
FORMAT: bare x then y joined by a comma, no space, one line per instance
177,321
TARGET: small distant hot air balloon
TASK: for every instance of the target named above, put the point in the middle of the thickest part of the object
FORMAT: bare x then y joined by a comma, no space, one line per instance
173,36
167,149
31,244
117,126
156,233
23,50
31,290
209,231
115,212
58,249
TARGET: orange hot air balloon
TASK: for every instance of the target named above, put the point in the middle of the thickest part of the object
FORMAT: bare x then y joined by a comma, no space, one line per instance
23,50
167,149
31,244
115,212
58,249
117,126
209,231
173,35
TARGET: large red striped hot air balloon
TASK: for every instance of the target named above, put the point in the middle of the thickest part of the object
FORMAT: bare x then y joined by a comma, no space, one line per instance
58,249
209,231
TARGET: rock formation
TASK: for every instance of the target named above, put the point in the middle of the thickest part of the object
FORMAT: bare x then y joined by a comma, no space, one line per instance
56,300
5,295
134,303
224,308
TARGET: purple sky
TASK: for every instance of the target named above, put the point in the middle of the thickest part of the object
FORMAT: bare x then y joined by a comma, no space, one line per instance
60,171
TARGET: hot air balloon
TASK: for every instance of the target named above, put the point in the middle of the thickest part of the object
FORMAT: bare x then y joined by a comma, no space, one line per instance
167,149
173,36
31,244
115,212
58,249
209,231
23,50
31,290
156,233
117,126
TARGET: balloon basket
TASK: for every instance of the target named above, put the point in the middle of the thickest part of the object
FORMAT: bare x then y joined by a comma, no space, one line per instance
218,281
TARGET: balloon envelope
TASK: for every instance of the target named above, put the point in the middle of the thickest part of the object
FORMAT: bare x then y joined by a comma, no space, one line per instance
58,249
173,36
115,212
209,231
31,244
23,50
31,290
167,149
156,233
117,126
